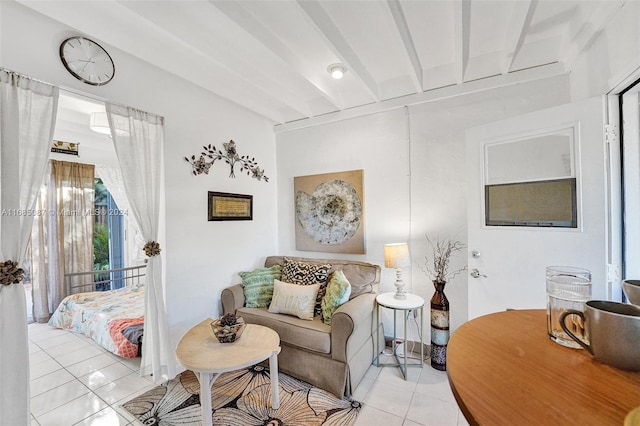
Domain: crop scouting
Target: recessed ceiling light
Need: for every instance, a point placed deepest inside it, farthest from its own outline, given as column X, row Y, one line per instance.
column 337, row 70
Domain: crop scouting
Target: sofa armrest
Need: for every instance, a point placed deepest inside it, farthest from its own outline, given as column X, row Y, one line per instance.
column 232, row 299
column 351, row 326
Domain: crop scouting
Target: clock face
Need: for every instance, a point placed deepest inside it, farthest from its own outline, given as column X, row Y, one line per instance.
column 87, row 61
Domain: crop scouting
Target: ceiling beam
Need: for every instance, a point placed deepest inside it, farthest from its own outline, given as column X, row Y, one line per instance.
column 578, row 41
column 231, row 62
column 448, row 92
column 403, row 30
column 517, row 26
column 250, row 24
column 461, row 23
column 327, row 28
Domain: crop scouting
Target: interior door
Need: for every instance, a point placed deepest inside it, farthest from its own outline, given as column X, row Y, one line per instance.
column 508, row 247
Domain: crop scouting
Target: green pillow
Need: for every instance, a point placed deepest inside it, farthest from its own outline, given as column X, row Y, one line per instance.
column 338, row 292
column 258, row 285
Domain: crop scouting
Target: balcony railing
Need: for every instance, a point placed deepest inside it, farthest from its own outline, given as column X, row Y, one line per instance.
column 108, row 279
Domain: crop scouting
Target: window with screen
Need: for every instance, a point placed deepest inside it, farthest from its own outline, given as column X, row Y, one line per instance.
column 531, row 181
column 541, row 204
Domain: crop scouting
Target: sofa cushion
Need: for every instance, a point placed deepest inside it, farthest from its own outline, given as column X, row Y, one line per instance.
column 338, row 291
column 294, row 299
column 306, row 273
column 364, row 277
column 310, row 335
column 298, row 272
column 258, row 285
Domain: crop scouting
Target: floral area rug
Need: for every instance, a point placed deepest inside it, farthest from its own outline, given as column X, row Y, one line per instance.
column 242, row 398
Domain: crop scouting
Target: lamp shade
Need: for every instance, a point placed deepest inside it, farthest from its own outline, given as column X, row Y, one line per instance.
column 396, row 255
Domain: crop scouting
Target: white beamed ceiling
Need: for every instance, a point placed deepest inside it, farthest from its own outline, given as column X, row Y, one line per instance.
column 272, row 56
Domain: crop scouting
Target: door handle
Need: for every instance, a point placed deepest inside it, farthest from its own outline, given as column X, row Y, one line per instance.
column 476, row 274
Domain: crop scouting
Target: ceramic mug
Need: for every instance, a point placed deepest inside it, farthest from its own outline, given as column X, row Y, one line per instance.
column 632, row 291
column 613, row 331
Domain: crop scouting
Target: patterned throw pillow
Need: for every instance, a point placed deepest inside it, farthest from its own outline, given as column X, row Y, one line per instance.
column 338, row 292
column 306, row 273
column 294, row 299
column 258, row 285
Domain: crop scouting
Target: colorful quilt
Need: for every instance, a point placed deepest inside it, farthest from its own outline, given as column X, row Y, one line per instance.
column 103, row 315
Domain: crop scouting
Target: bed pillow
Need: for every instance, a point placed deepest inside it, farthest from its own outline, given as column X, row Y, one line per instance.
column 306, row 273
column 258, row 285
column 294, row 299
column 338, row 292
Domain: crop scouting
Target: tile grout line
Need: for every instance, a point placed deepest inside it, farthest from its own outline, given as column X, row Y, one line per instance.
column 75, row 378
column 126, row 418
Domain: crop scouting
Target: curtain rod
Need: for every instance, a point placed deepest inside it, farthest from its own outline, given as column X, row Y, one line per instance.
column 61, row 88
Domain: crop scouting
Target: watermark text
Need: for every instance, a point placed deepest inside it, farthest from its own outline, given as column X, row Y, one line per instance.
column 63, row 212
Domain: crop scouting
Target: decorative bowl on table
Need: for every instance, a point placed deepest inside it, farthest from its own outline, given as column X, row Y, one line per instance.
column 228, row 328
column 632, row 291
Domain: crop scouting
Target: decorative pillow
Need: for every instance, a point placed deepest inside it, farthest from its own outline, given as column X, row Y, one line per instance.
column 294, row 299
column 258, row 285
column 338, row 292
column 305, row 273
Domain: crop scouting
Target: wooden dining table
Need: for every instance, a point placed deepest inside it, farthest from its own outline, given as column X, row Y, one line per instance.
column 504, row 370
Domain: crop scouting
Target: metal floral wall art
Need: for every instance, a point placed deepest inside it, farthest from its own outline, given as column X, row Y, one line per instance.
column 230, row 156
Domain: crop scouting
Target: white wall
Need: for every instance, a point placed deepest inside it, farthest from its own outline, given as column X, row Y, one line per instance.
column 611, row 58
column 201, row 257
column 405, row 199
column 376, row 143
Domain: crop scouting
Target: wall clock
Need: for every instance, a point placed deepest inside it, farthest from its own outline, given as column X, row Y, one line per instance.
column 87, row 61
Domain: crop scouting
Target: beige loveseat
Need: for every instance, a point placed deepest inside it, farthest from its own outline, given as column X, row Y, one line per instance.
column 335, row 357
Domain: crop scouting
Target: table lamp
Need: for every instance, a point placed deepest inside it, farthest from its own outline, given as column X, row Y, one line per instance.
column 397, row 256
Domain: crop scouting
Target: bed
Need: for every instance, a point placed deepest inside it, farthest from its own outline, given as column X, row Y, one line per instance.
column 113, row 319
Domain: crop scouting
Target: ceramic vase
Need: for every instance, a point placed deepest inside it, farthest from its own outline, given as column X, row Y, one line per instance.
column 439, row 327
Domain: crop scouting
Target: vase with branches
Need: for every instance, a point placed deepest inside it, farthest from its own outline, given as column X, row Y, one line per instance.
column 436, row 264
column 436, row 267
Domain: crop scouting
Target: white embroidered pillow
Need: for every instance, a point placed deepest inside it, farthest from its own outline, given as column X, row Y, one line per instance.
column 294, row 299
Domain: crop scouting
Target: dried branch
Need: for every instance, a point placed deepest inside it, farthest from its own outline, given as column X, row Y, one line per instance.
column 437, row 268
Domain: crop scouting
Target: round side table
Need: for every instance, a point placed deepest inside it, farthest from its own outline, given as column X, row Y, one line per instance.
column 411, row 303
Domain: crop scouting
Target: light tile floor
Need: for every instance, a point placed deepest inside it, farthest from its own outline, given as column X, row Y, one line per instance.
column 75, row 382
column 425, row 398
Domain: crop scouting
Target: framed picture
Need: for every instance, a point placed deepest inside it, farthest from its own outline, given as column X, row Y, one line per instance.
column 62, row 147
column 329, row 212
column 223, row 206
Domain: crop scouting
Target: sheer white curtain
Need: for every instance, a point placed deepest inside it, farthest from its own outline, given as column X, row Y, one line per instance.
column 112, row 178
column 27, row 119
column 138, row 138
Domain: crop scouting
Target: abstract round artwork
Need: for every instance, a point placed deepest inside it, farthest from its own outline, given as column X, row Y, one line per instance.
column 332, row 214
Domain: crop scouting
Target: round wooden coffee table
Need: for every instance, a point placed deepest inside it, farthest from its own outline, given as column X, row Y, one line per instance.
column 200, row 352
